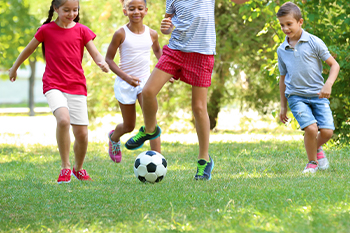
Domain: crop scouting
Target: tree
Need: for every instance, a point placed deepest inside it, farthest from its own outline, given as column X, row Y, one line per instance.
column 329, row 20
column 16, row 31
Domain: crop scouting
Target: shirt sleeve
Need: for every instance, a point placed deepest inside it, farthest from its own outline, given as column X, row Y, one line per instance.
column 170, row 7
column 88, row 35
column 281, row 65
column 39, row 35
column 322, row 50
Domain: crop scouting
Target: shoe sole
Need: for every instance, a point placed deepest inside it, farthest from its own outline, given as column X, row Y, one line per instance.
column 63, row 182
column 211, row 169
column 135, row 148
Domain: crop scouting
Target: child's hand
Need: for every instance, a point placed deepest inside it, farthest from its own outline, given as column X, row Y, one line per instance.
column 325, row 91
column 171, row 80
column 133, row 81
column 166, row 25
column 283, row 115
column 104, row 66
column 12, row 74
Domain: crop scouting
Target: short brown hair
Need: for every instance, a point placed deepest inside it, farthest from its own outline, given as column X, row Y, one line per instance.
column 289, row 8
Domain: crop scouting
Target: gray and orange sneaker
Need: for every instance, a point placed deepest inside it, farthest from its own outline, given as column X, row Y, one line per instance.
column 204, row 169
column 311, row 167
column 137, row 141
column 323, row 163
column 114, row 150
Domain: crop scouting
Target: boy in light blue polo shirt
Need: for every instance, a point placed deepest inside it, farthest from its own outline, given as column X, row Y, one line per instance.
column 302, row 84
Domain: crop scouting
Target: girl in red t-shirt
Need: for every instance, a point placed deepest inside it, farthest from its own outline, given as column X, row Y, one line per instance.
column 64, row 83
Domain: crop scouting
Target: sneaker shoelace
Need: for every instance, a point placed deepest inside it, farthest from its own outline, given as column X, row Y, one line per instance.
column 139, row 135
column 201, row 169
column 311, row 164
column 82, row 173
column 115, row 147
column 64, row 172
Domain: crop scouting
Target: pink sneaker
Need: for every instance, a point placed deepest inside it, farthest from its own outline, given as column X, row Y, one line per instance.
column 323, row 163
column 64, row 176
column 81, row 175
column 114, row 149
column 311, row 167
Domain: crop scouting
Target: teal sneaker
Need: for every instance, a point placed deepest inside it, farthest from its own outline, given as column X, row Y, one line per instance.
column 137, row 141
column 204, row 169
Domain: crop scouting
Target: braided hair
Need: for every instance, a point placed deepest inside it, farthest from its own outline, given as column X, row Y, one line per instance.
column 55, row 4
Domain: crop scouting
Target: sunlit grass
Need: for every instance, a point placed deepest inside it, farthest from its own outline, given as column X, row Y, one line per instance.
column 256, row 187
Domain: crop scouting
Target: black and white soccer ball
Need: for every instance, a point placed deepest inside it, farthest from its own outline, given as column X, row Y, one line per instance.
column 150, row 166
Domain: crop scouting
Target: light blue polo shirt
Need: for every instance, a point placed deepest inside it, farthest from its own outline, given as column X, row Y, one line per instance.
column 194, row 23
column 302, row 65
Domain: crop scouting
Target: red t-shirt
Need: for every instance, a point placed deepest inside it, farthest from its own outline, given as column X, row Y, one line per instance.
column 64, row 50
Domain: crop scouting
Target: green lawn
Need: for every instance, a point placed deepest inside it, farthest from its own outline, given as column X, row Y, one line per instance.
column 256, row 187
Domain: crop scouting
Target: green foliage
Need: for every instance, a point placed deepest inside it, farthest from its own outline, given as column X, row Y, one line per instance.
column 250, row 191
column 329, row 20
column 17, row 29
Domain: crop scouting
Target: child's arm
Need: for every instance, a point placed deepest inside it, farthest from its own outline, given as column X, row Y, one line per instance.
column 333, row 74
column 155, row 46
column 117, row 40
column 98, row 58
column 166, row 26
column 283, row 112
column 27, row 51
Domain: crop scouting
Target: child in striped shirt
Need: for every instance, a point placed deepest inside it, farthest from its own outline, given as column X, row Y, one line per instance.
column 189, row 57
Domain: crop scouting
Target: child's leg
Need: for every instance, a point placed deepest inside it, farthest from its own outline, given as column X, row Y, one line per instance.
column 149, row 95
column 310, row 141
column 155, row 143
column 62, row 135
column 129, row 119
column 323, row 136
column 80, row 145
column 199, row 108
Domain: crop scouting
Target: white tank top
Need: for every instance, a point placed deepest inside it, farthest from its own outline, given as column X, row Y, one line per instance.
column 135, row 53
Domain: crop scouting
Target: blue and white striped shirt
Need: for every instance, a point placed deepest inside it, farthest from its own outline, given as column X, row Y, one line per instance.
column 194, row 23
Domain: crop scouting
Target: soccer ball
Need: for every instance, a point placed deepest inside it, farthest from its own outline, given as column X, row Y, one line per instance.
column 150, row 166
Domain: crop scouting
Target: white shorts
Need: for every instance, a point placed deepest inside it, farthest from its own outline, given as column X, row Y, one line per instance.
column 125, row 93
column 76, row 105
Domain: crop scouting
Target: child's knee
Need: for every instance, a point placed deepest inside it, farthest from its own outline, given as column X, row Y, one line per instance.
column 128, row 127
column 311, row 129
column 199, row 110
column 326, row 133
column 63, row 122
column 148, row 93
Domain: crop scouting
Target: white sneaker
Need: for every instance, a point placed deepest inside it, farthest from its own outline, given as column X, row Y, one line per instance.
column 323, row 163
column 311, row 167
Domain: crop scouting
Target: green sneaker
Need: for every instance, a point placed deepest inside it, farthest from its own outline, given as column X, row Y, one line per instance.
column 137, row 141
column 204, row 169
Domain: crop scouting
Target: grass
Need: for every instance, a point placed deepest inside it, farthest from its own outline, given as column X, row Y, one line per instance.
column 256, row 187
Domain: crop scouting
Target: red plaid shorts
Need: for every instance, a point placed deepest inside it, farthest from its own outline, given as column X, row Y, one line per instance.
column 192, row 68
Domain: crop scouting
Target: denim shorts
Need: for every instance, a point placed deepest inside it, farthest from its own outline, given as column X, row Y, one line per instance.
column 309, row 110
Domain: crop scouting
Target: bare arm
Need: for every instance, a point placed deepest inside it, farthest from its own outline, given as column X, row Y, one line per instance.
column 283, row 112
column 27, row 51
column 155, row 46
column 96, row 55
column 166, row 26
column 333, row 74
column 117, row 40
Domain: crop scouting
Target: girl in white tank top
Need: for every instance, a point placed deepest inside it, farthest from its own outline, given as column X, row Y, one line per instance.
column 134, row 41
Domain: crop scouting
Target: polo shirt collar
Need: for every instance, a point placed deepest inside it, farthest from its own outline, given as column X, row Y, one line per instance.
column 305, row 36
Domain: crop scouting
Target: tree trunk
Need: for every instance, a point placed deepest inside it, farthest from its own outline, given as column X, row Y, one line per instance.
column 32, row 63
column 214, row 104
